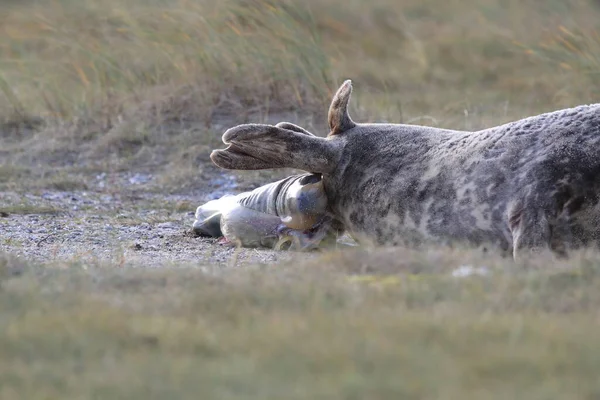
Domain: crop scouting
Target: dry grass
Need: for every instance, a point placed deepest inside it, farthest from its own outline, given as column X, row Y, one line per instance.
column 176, row 59
column 153, row 84
column 89, row 87
column 186, row 59
column 302, row 331
column 26, row 209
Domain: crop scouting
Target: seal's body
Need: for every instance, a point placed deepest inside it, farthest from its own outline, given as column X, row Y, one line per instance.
column 292, row 209
column 517, row 185
column 529, row 184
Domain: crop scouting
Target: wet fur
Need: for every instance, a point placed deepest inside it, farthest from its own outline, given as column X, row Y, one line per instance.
column 293, row 207
column 525, row 186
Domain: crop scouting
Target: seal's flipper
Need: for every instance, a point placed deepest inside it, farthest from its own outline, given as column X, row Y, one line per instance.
column 259, row 146
column 291, row 127
column 339, row 119
column 231, row 159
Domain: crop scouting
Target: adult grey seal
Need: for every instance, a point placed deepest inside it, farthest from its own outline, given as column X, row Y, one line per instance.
column 291, row 210
column 522, row 186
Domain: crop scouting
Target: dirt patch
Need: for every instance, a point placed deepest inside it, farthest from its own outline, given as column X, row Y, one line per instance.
column 71, row 200
column 141, row 229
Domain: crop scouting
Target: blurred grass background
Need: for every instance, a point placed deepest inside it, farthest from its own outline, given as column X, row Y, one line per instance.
column 187, row 59
column 153, row 84
column 96, row 85
column 359, row 324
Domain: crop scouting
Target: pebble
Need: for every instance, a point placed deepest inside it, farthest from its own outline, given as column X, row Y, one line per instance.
column 167, row 225
column 467, row 270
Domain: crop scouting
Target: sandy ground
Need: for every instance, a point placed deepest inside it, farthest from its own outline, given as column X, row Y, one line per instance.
column 123, row 216
column 126, row 227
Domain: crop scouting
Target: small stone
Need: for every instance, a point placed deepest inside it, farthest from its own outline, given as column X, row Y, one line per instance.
column 468, row 270
column 167, row 225
column 139, row 179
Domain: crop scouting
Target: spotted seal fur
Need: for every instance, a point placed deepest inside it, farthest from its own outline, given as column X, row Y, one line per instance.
column 524, row 186
column 291, row 210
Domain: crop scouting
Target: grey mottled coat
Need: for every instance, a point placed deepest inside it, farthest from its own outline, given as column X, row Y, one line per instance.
column 526, row 185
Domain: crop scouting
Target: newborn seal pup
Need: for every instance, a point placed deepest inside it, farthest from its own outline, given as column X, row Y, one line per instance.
column 523, row 186
column 291, row 210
